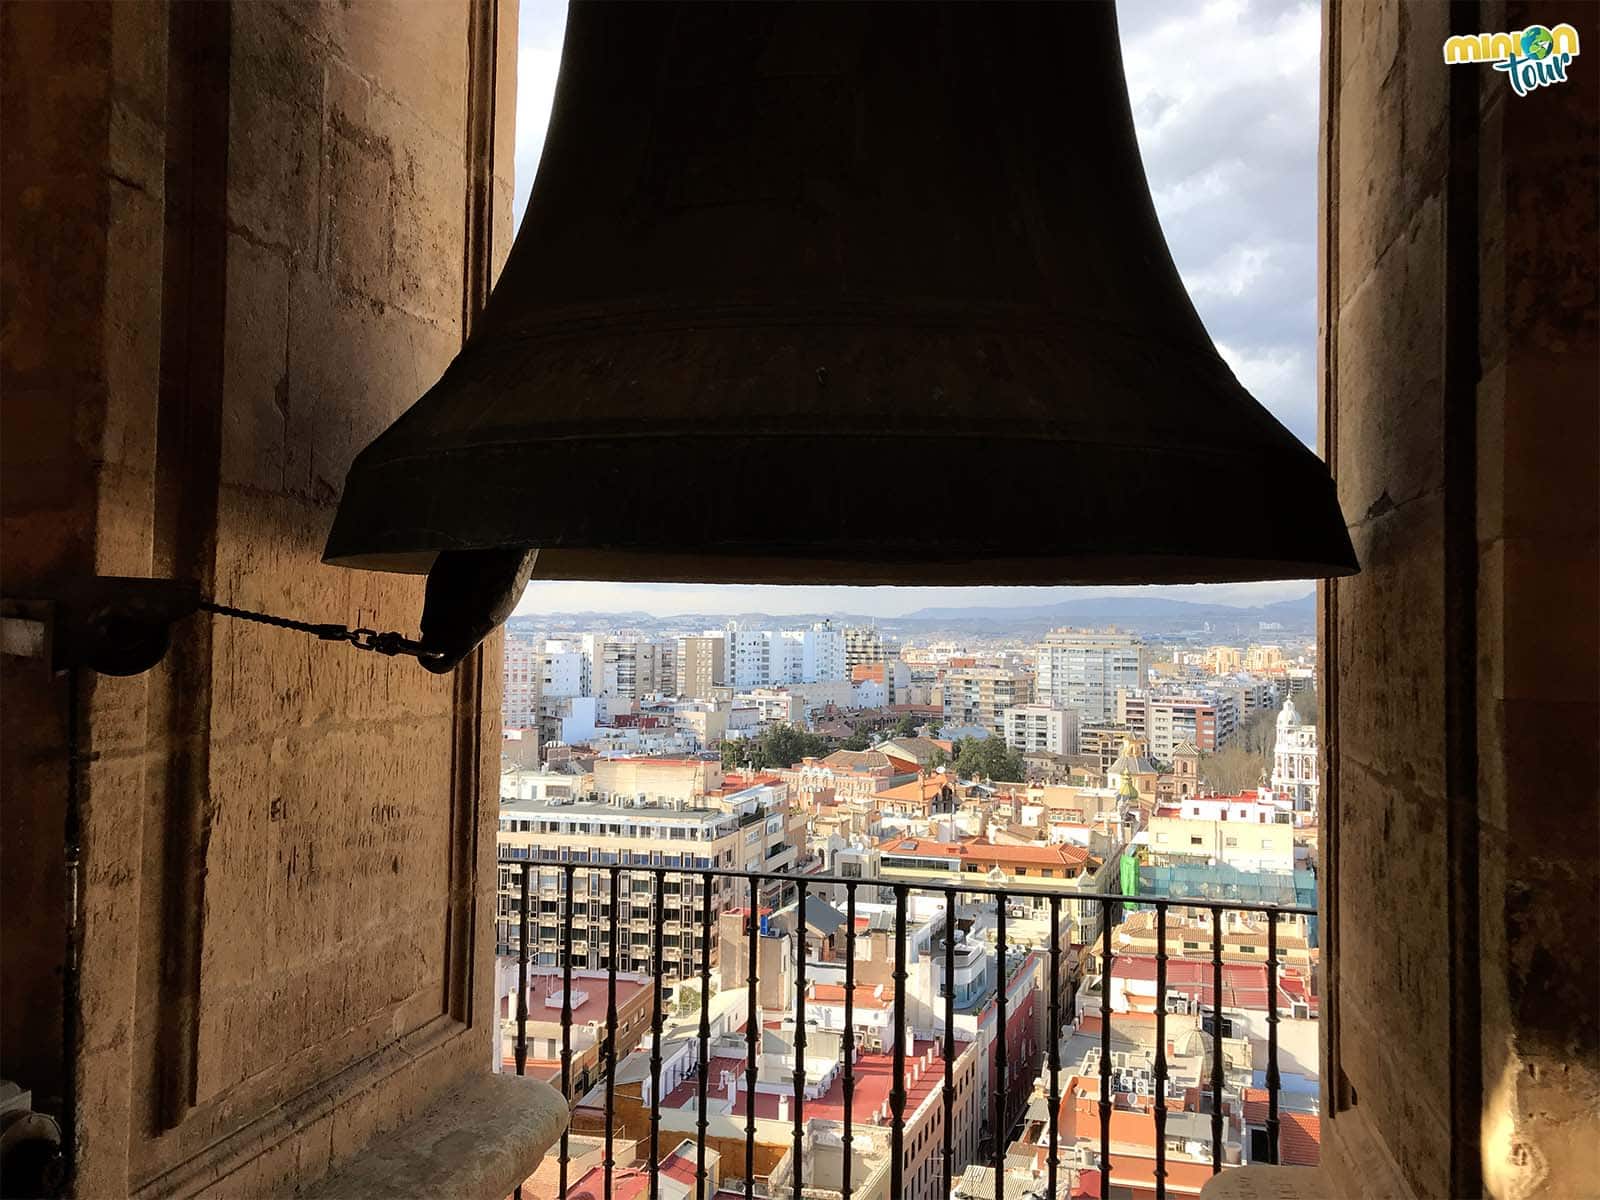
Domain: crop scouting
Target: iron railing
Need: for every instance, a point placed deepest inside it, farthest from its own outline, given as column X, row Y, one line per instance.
column 955, row 895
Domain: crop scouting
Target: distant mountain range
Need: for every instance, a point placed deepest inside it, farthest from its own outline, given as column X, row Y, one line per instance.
column 1127, row 608
column 1143, row 614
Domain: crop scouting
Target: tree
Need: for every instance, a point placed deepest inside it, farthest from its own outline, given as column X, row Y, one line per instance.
column 1259, row 733
column 1232, row 769
column 859, row 740
column 990, row 758
column 779, row 746
column 906, row 726
column 1306, row 705
column 938, row 758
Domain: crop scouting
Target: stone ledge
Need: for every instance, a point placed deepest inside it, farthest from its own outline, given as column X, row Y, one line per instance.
column 480, row 1139
column 1270, row 1183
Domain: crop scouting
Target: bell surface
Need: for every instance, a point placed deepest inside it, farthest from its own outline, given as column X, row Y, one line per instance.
column 842, row 293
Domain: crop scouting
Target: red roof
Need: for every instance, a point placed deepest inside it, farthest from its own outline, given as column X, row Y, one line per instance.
column 981, row 850
column 1299, row 1139
column 1255, row 1106
column 873, row 1075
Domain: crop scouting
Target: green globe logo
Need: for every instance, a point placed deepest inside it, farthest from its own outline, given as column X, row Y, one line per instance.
column 1537, row 42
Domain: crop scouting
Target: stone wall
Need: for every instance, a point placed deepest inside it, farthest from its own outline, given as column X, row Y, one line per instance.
column 239, row 240
column 1460, row 352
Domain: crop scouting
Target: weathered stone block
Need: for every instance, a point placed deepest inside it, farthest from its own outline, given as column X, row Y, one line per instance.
column 1391, row 698
column 255, row 368
column 275, row 131
column 1390, row 345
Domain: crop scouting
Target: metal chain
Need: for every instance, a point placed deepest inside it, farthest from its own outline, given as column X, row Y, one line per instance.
column 389, row 644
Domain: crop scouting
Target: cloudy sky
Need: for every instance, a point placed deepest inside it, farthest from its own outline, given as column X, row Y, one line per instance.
column 1225, row 100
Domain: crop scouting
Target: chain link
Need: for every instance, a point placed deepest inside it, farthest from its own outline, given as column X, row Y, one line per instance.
column 389, row 644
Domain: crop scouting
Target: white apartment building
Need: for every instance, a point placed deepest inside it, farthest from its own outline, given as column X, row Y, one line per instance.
column 1082, row 670
column 1295, row 769
column 772, row 705
column 759, row 658
column 1264, row 844
column 1041, row 727
column 564, row 670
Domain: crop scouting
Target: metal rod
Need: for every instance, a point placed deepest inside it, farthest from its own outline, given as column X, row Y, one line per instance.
column 1105, row 1046
column 949, row 1042
column 705, row 1033
column 521, row 1050
column 522, row 976
column 566, row 1023
column 1161, row 1051
column 999, row 1106
column 752, row 1038
column 799, row 1036
column 897, row 1089
column 1052, row 1162
column 1216, row 1042
column 609, row 1049
column 965, row 889
column 655, row 1044
column 848, row 1140
column 1273, row 1082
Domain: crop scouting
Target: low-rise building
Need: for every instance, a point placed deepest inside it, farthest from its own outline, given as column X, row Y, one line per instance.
column 1033, row 728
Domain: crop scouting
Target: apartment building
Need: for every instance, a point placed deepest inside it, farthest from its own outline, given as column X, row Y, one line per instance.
column 1262, row 842
column 862, row 645
column 594, row 836
column 1253, row 695
column 1082, row 670
column 521, row 683
column 700, row 665
column 1133, row 712
column 1036, row 727
column 1224, row 660
column 758, row 658
column 1103, row 742
column 981, row 695
column 1207, row 722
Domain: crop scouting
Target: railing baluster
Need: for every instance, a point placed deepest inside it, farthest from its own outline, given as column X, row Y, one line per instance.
column 949, row 1040
column 1216, row 1040
column 899, row 1094
column 522, row 992
column 705, row 1034
column 752, row 1040
column 566, row 1025
column 849, row 1034
column 1052, row 1162
column 655, row 1042
column 1001, row 1128
column 799, row 1036
column 609, row 1048
column 1272, row 1038
column 897, row 1087
column 1105, row 1047
column 1161, row 1050
column 522, row 977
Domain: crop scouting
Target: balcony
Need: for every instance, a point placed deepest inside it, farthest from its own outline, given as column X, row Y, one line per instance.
column 760, row 1094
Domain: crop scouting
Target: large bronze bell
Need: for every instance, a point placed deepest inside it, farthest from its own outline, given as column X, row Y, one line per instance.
column 841, row 293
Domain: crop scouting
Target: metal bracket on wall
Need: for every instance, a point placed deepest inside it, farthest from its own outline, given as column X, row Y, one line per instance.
column 118, row 625
column 111, row 624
